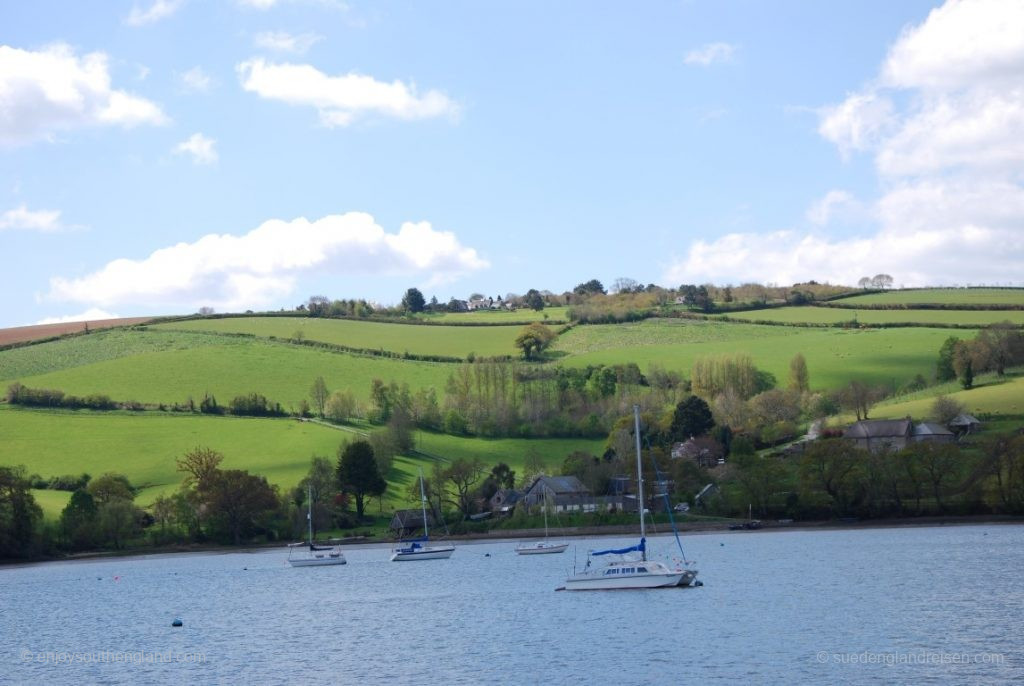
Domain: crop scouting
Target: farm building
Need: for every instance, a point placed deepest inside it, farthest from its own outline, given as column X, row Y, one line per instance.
column 406, row 522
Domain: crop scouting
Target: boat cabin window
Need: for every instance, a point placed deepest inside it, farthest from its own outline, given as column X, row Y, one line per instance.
column 642, row 570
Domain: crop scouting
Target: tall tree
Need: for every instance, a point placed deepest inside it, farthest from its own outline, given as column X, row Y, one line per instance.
column 533, row 339
column 413, row 300
column 19, row 513
column 691, row 418
column 199, row 464
column 534, row 300
column 830, row 466
column 463, row 473
column 799, row 380
column 944, row 367
column 238, row 501
column 357, row 473
column 591, row 287
column 319, row 395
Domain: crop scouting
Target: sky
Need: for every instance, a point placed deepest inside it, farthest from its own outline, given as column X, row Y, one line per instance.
column 158, row 156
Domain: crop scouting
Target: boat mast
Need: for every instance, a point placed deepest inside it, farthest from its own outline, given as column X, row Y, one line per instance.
column 309, row 511
column 639, row 477
column 423, row 505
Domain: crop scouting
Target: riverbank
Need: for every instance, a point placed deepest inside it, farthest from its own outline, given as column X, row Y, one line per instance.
column 497, row 535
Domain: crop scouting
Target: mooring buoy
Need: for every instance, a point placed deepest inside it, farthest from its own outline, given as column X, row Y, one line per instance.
column 177, row 622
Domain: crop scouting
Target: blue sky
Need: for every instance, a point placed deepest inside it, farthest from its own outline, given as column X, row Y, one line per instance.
column 159, row 156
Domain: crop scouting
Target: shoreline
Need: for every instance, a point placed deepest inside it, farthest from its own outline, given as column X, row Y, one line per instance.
column 608, row 531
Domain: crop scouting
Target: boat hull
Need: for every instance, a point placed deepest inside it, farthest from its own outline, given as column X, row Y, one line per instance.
column 317, row 561
column 542, row 548
column 429, row 553
column 595, row 582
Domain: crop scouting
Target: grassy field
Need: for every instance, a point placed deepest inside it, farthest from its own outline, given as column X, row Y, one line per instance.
column 833, row 315
column 144, row 447
column 834, row 356
column 418, row 339
column 992, row 395
column 283, row 373
column 955, row 296
column 522, row 316
column 100, row 346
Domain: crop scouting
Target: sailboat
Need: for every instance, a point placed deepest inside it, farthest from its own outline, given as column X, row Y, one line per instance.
column 545, row 546
column 415, row 550
column 315, row 556
column 633, row 569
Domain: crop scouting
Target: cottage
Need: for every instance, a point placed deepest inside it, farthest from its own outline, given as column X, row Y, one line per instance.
column 964, row 424
column 705, row 451
column 933, row 433
column 564, row 493
column 881, row 434
column 504, row 500
column 407, row 522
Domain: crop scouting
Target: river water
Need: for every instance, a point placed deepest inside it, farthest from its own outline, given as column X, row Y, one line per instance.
column 904, row 605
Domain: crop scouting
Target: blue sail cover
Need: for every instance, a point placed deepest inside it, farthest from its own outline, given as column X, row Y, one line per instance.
column 639, row 548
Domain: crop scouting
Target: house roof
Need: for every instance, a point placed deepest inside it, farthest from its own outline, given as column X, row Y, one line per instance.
column 964, row 420
column 931, row 429
column 879, row 428
column 409, row 519
column 558, row 485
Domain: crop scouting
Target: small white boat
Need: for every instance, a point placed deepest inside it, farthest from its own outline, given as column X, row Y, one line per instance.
column 634, row 570
column 541, row 547
column 315, row 556
column 415, row 550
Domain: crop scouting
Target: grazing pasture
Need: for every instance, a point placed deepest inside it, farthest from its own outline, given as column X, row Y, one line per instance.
column 942, row 296
column 835, row 315
column 235, row 366
column 417, row 339
column 834, row 356
column 145, row 447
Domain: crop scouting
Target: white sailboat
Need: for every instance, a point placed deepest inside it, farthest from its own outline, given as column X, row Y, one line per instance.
column 631, row 571
column 415, row 550
column 541, row 547
column 315, row 556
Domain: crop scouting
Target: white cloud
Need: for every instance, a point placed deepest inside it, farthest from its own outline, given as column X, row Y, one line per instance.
column 268, row 4
column 341, row 99
column 709, row 54
column 93, row 314
column 42, row 93
column 857, row 123
column 944, row 122
column 199, row 147
column 959, row 44
column 196, row 80
column 836, row 205
column 160, row 9
column 258, row 268
column 282, row 41
column 24, row 219
column 915, row 257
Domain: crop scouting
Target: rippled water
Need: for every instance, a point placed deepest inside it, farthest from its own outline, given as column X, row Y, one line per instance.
column 790, row 607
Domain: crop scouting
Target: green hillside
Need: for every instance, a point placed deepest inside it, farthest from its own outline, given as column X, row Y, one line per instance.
column 836, row 315
column 145, row 446
column 417, row 339
column 947, row 296
column 521, row 316
column 222, row 366
column 889, row 357
column 172, row 362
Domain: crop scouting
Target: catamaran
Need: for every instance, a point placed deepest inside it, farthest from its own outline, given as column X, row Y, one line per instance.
column 545, row 546
column 415, row 550
column 315, row 556
column 633, row 570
